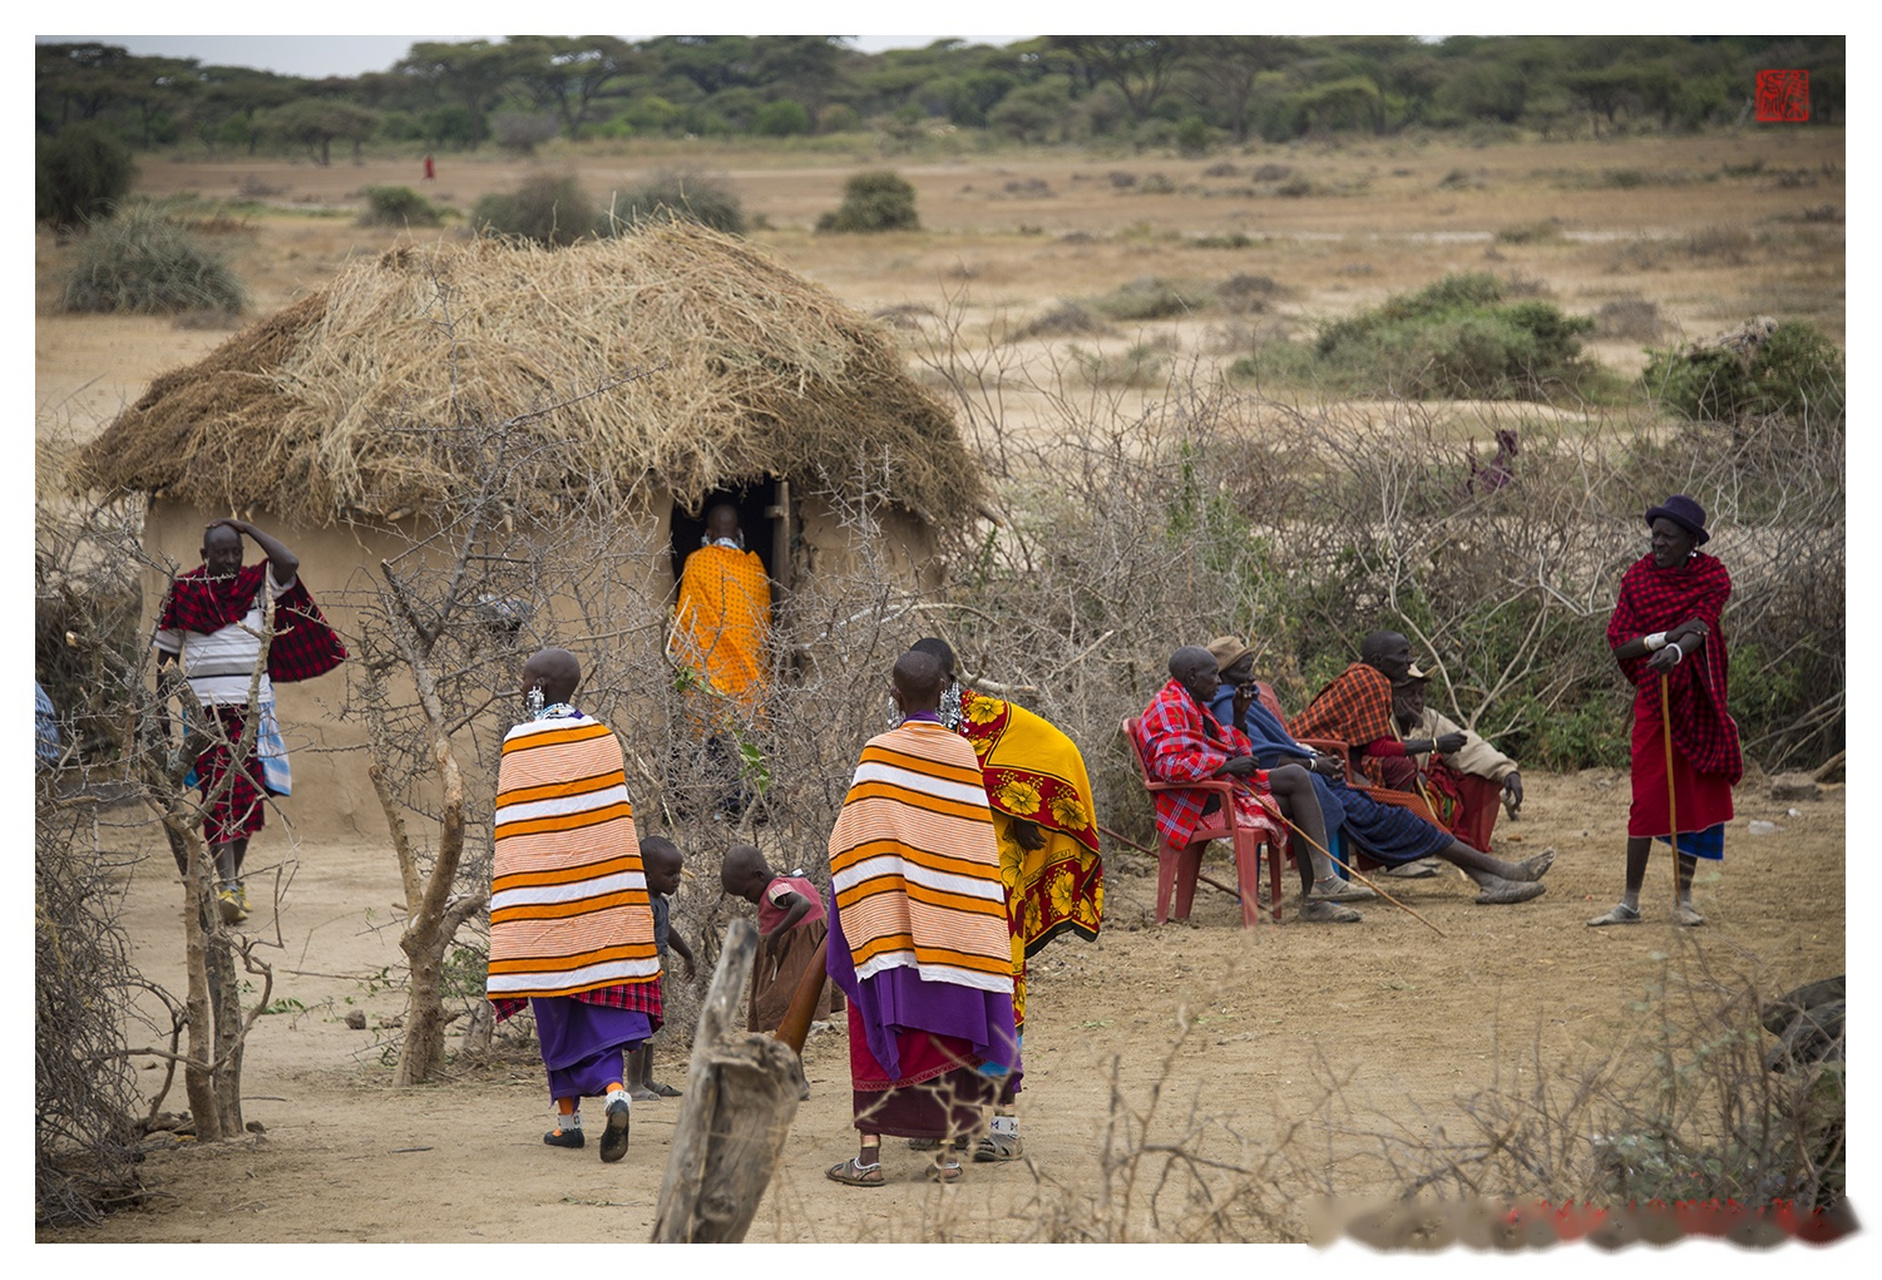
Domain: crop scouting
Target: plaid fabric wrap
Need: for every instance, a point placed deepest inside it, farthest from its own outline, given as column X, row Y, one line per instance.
column 304, row 646
column 1182, row 742
column 1354, row 708
column 237, row 812
column 1655, row 599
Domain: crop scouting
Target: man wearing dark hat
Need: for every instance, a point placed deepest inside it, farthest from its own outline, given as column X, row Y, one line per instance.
column 1463, row 776
column 1665, row 634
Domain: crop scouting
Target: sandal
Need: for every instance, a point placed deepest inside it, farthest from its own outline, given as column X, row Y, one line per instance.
column 665, row 1091
column 996, row 1148
column 1334, row 889
column 946, row 1172
column 1621, row 914
column 852, row 1174
column 1498, row 892
column 1688, row 915
column 1319, row 911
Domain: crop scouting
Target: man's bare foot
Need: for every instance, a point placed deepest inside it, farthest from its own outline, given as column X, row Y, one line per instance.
column 641, row 1093
column 1497, row 892
column 1688, row 915
column 1320, row 911
column 1532, row 868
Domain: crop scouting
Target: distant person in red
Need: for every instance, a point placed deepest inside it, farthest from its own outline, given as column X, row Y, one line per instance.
column 431, row 170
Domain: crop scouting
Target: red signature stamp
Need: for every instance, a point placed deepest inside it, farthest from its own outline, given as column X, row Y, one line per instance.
column 1783, row 96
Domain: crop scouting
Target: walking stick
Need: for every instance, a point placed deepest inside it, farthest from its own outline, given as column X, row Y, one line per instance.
column 1672, row 811
column 1351, row 871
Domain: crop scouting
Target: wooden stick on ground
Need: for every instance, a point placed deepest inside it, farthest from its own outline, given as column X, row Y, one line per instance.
column 741, row 1095
column 1213, row 884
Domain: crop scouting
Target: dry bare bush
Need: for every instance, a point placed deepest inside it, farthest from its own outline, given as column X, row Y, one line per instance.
column 84, row 1140
column 1682, row 1109
column 1137, row 523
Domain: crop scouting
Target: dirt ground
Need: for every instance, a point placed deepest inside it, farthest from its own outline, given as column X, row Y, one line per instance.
column 1407, row 1021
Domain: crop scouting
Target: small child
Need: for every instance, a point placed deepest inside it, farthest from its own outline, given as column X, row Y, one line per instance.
column 660, row 860
column 791, row 923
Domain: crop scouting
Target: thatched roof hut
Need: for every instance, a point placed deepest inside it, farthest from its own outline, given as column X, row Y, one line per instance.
column 660, row 371
column 743, row 370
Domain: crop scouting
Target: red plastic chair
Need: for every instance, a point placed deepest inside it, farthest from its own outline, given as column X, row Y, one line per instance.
column 1178, row 868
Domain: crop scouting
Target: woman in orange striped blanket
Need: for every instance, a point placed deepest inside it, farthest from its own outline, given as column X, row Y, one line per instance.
column 571, row 929
column 918, row 936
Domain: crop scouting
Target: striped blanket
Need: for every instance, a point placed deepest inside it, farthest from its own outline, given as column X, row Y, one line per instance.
column 569, row 914
column 914, row 868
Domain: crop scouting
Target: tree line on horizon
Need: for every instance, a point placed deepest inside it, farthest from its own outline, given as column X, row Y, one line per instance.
column 1191, row 93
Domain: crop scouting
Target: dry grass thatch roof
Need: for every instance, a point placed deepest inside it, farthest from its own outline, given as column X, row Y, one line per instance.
column 333, row 406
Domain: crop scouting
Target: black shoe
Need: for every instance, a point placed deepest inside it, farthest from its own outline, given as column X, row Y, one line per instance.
column 570, row 1138
column 614, row 1137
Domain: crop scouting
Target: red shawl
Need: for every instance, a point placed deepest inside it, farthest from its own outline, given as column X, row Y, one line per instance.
column 1654, row 599
column 304, row 646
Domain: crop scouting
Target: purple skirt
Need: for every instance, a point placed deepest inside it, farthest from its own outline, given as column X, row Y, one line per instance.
column 582, row 1044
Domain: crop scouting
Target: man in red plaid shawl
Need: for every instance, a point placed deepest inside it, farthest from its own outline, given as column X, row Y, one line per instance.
column 1665, row 634
column 1180, row 741
column 212, row 625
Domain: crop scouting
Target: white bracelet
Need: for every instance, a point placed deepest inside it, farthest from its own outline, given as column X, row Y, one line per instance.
column 1655, row 641
column 1678, row 654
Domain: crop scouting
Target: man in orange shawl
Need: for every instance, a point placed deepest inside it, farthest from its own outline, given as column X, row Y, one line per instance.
column 721, row 626
column 918, row 938
column 722, row 619
column 571, row 928
column 1047, row 829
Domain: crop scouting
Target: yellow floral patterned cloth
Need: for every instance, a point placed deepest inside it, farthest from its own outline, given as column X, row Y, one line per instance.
column 1033, row 771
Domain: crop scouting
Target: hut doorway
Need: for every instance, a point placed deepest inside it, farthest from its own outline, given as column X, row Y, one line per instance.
column 764, row 516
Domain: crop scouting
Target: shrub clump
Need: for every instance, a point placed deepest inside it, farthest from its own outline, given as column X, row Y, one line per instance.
column 1760, row 368
column 1151, row 298
column 80, row 175
column 551, row 211
column 399, row 207
column 880, row 201
column 1460, row 338
column 684, row 194
column 142, row 263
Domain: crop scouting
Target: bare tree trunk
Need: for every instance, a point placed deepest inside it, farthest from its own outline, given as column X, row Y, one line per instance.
column 435, row 918
column 198, row 1083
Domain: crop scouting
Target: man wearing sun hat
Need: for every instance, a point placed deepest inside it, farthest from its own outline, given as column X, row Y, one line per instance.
column 1464, row 776
column 1665, row 634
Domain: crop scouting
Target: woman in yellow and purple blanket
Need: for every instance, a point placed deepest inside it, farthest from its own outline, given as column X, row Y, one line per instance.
column 1048, row 837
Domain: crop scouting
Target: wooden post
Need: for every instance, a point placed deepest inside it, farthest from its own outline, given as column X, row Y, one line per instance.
column 795, row 1028
column 741, row 1096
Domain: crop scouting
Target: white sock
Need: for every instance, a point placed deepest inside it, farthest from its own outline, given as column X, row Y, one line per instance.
column 573, row 1120
column 1007, row 1126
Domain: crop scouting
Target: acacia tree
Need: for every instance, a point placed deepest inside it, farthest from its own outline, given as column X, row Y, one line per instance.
column 565, row 74
column 87, row 559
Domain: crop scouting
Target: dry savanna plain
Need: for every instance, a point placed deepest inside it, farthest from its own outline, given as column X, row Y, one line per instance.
column 1278, row 1061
